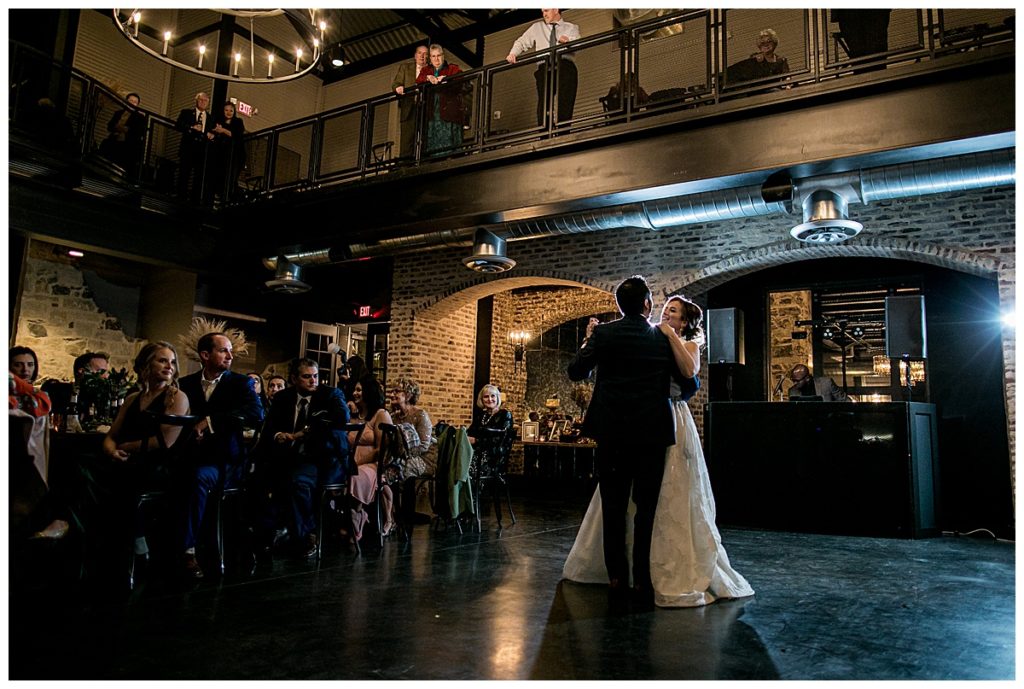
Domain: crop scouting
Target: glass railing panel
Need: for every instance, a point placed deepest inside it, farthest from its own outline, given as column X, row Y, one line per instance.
column 253, row 178
column 513, row 106
column 963, row 29
column 598, row 70
column 672, row 62
column 291, row 156
column 339, row 148
column 384, row 134
column 745, row 52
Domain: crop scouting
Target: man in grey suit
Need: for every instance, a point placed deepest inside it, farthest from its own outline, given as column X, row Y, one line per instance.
column 405, row 78
column 806, row 385
column 630, row 416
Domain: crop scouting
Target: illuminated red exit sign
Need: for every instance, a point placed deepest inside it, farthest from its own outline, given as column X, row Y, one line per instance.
column 364, row 312
column 244, row 109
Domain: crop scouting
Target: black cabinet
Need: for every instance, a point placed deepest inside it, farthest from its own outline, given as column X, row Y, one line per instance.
column 825, row 467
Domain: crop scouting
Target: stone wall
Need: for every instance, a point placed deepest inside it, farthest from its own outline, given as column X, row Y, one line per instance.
column 785, row 309
column 968, row 231
column 60, row 320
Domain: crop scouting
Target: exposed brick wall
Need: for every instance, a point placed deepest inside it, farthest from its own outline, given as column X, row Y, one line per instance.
column 967, row 231
column 59, row 320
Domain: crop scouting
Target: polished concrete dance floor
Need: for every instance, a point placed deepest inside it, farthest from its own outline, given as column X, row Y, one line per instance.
column 469, row 607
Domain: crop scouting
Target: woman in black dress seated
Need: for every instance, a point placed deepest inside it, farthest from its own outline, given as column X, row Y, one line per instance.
column 489, row 435
column 137, row 440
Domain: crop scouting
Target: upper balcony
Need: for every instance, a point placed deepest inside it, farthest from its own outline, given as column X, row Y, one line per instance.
column 663, row 108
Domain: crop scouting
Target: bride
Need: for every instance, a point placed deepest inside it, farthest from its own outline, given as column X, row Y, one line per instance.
column 689, row 566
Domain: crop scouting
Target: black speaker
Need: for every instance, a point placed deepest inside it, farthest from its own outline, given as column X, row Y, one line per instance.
column 725, row 336
column 904, row 327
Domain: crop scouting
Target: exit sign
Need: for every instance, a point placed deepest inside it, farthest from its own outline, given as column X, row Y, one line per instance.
column 364, row 312
column 244, row 109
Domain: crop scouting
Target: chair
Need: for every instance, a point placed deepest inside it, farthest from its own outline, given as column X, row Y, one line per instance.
column 329, row 491
column 382, row 155
column 146, row 497
column 479, row 482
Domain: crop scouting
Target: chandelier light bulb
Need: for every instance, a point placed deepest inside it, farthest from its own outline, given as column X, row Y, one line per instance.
column 298, row 57
column 270, row 65
column 202, row 52
column 167, row 39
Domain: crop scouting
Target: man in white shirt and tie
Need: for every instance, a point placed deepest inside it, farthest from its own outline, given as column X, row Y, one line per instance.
column 195, row 125
column 547, row 33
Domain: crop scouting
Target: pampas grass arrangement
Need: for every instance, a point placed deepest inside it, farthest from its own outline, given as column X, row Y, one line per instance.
column 201, row 326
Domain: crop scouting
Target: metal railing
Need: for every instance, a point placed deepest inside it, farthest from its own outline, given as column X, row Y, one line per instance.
column 679, row 63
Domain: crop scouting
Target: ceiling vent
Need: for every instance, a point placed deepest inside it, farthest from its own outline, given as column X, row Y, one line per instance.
column 286, row 278
column 825, row 219
column 488, row 254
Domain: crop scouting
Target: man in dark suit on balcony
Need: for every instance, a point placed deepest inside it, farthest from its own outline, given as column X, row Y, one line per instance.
column 405, row 78
column 226, row 403
column 630, row 417
column 195, row 125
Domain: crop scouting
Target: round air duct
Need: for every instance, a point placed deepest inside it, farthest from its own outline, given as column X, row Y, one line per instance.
column 825, row 219
column 286, row 278
column 488, row 254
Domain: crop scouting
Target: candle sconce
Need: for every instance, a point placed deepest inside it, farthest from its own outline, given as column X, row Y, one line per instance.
column 518, row 340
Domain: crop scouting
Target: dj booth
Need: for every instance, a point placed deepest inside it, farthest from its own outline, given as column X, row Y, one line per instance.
column 864, row 469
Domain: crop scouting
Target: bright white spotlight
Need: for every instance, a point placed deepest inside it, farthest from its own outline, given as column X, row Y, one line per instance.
column 1010, row 319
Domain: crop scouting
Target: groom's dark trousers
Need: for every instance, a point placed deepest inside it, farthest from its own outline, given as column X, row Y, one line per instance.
column 621, row 467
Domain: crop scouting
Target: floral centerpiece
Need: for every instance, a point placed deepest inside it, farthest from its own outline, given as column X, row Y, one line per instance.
column 99, row 396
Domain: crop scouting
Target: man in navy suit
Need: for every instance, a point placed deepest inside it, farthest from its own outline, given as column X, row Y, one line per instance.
column 630, row 417
column 196, row 126
column 227, row 403
column 310, row 447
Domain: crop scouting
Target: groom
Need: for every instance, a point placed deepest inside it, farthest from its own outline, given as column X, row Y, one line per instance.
column 630, row 417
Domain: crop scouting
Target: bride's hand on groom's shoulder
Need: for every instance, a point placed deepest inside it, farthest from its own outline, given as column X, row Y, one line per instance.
column 667, row 329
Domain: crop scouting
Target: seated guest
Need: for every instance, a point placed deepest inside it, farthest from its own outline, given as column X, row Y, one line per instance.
column 137, row 439
column 309, row 447
column 404, row 396
column 806, row 385
column 227, row 404
column 24, row 367
column 764, row 63
column 368, row 397
column 423, row 458
column 356, row 370
column 275, row 384
column 488, row 434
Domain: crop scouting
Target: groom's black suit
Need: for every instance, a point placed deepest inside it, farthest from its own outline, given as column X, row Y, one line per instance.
column 630, row 417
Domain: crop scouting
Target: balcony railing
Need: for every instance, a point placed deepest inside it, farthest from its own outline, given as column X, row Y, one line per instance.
column 679, row 64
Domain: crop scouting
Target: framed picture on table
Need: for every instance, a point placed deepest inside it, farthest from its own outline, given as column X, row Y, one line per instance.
column 556, row 432
column 531, row 431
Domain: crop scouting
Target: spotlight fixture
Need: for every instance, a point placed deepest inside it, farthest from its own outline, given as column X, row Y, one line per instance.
column 75, row 253
column 828, row 333
column 857, row 331
column 336, row 54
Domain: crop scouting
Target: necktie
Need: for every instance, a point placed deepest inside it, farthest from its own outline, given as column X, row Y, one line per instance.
column 208, row 386
column 300, row 419
column 552, row 40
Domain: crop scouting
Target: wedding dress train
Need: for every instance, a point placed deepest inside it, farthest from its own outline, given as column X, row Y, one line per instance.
column 689, row 565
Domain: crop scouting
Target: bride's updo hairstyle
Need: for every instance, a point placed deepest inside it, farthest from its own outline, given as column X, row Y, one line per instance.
column 694, row 316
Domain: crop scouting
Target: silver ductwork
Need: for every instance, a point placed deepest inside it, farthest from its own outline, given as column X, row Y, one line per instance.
column 824, row 201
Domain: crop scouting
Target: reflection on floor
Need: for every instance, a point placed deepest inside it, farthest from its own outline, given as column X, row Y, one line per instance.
column 490, row 606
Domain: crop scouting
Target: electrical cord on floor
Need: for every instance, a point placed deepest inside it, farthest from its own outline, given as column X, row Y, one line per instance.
column 974, row 531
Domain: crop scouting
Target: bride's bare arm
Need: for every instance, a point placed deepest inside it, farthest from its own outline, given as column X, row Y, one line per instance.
column 686, row 353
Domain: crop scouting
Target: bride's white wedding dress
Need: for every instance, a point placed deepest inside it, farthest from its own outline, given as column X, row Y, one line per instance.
column 689, row 566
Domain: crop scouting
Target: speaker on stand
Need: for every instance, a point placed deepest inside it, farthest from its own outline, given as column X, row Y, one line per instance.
column 905, row 332
column 725, row 341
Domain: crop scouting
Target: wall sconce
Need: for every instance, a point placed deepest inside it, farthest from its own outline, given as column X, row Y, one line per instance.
column 518, row 340
column 916, row 372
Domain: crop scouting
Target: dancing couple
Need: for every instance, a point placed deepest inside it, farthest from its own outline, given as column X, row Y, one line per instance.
column 649, row 460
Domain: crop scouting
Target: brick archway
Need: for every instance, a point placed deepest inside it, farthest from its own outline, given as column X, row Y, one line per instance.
column 720, row 272
column 457, row 296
